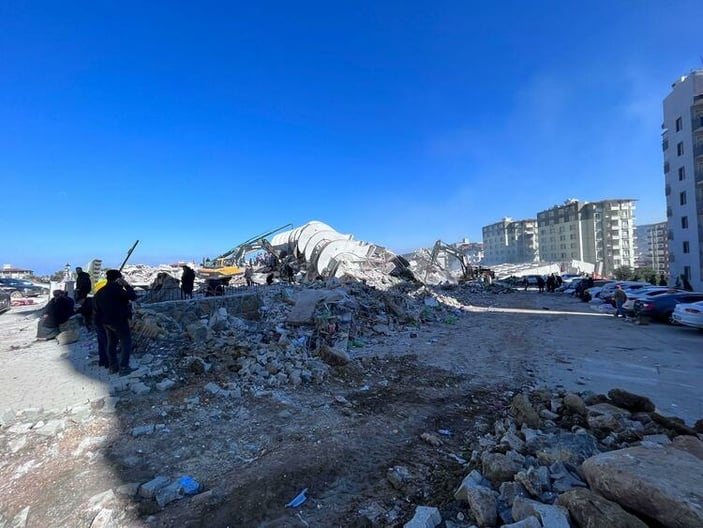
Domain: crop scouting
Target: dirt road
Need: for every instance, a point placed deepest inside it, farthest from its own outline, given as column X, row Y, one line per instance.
column 253, row 454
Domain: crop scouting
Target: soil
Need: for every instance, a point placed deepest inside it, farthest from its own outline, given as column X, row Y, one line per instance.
column 419, row 399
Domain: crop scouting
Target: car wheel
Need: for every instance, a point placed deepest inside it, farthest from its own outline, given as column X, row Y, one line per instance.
column 16, row 295
column 670, row 318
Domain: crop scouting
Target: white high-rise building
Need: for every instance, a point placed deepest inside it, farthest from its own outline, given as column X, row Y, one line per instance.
column 601, row 233
column 510, row 241
column 682, row 142
column 652, row 248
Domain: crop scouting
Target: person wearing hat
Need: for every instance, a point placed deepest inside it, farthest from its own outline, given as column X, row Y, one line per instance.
column 112, row 311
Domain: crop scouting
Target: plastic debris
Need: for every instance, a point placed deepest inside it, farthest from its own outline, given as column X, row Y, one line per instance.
column 298, row 500
column 445, row 432
column 189, row 485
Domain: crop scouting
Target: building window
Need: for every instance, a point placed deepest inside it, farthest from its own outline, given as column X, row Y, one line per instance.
column 666, row 167
column 687, row 272
column 686, row 247
column 682, row 173
column 679, row 124
column 679, row 149
column 665, row 145
column 682, row 198
column 684, row 222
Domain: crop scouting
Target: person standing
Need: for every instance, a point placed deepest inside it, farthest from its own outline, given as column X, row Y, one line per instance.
column 249, row 275
column 620, row 298
column 187, row 281
column 83, row 284
column 113, row 311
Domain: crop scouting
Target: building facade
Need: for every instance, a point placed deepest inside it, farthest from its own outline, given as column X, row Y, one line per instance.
column 682, row 143
column 600, row 232
column 652, row 247
column 510, row 241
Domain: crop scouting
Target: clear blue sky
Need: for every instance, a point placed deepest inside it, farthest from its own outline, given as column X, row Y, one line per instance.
column 194, row 126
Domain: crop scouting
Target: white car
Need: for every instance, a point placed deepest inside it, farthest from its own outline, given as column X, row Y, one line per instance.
column 689, row 314
column 646, row 293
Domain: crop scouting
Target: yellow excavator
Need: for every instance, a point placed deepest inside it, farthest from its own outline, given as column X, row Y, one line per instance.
column 232, row 262
column 468, row 272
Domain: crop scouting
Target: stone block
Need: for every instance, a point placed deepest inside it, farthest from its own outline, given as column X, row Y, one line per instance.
column 590, row 510
column 549, row 516
column 665, row 483
column 148, row 489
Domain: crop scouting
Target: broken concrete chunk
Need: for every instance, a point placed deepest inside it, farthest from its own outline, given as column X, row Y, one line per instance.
column 575, row 405
column 148, row 489
column 484, row 505
column 398, row 476
column 549, row 516
column 425, row 517
column 498, row 467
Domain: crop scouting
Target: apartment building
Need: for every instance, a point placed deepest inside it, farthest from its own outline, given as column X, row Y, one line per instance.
column 510, row 241
column 472, row 250
column 652, row 247
column 682, row 143
column 598, row 232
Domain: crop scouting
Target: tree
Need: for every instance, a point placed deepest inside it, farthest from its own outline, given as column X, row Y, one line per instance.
column 623, row 273
column 646, row 273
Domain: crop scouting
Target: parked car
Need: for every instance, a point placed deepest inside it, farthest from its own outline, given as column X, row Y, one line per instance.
column 662, row 307
column 21, row 287
column 689, row 314
column 646, row 293
column 5, row 301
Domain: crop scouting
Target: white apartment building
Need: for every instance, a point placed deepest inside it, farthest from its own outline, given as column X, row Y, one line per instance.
column 510, row 241
column 600, row 232
column 682, row 142
column 652, row 247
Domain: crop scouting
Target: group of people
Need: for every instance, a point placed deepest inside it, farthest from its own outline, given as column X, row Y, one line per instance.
column 108, row 312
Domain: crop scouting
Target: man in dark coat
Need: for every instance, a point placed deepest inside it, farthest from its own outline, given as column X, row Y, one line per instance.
column 187, row 281
column 58, row 310
column 83, row 284
column 112, row 310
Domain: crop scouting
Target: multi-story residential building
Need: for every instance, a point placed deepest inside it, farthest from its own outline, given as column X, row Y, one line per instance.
column 472, row 250
column 682, row 142
column 510, row 241
column 652, row 247
column 598, row 232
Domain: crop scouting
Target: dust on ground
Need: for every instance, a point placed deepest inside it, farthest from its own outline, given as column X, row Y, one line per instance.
column 450, row 378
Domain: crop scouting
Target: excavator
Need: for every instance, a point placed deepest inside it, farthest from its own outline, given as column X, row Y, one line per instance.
column 468, row 272
column 231, row 262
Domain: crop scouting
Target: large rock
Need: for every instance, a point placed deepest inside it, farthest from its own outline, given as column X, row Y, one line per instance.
column 665, row 483
column 425, row 517
column 523, row 411
column 574, row 404
column 498, row 468
column 563, row 447
column 631, row 402
column 690, row 444
column 590, row 510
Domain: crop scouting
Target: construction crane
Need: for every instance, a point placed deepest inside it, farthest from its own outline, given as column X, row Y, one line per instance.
column 230, row 263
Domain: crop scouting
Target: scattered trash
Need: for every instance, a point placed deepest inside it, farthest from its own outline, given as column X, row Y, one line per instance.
column 298, row 500
column 445, row 432
column 189, row 485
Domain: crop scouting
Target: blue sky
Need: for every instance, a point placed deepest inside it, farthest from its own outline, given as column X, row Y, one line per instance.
column 194, row 126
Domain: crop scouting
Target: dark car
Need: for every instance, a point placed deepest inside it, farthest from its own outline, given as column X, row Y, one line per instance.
column 4, row 301
column 20, row 288
column 661, row 307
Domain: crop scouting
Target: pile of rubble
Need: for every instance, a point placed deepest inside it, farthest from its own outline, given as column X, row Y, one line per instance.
column 563, row 459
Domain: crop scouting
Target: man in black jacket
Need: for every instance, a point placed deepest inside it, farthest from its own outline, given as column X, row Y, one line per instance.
column 112, row 310
column 83, row 284
column 187, row 282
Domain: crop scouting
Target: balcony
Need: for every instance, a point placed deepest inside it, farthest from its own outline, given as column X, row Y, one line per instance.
column 698, row 150
column 697, row 123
